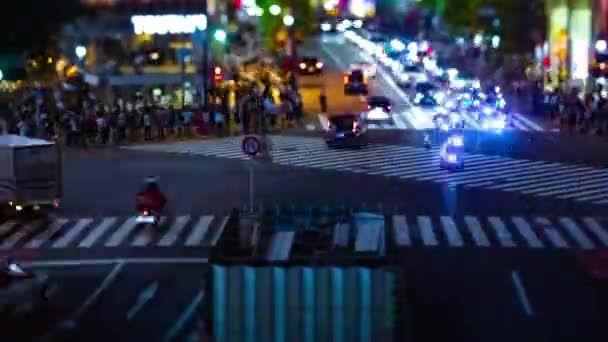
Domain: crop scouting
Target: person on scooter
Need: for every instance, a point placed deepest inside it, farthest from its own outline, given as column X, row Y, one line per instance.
column 150, row 197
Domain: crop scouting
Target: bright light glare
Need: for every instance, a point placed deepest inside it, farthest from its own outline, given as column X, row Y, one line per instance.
column 601, row 45
column 288, row 20
column 168, row 24
column 495, row 42
column 81, row 51
column 274, row 9
column 357, row 23
column 325, row 27
column 397, row 45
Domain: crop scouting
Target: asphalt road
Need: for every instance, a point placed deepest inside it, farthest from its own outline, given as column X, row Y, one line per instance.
column 119, row 301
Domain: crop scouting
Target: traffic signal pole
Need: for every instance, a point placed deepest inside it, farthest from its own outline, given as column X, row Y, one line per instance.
column 205, row 67
column 294, row 49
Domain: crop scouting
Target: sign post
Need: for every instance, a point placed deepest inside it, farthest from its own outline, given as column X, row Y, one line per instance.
column 252, row 146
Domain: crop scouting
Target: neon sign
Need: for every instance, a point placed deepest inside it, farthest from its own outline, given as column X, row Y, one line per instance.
column 168, row 24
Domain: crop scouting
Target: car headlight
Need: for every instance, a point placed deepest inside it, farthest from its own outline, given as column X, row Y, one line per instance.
column 457, row 141
column 487, row 111
column 319, row 65
column 302, row 66
column 439, row 96
column 476, row 84
column 451, row 158
column 325, row 27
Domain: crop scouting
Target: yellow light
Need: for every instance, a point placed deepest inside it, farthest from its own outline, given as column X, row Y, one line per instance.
column 49, row 60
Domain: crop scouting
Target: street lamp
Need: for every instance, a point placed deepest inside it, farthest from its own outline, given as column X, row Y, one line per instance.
column 81, row 52
column 288, row 20
column 220, row 36
column 274, row 10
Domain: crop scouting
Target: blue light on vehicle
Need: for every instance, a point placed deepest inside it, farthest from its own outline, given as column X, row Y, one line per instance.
column 488, row 111
column 451, row 158
column 456, row 141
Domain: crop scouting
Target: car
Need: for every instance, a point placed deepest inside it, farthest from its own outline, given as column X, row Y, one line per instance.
column 368, row 68
column 463, row 80
column 409, row 75
column 381, row 102
column 355, row 82
column 346, row 129
column 22, row 291
column 429, row 88
column 310, row 65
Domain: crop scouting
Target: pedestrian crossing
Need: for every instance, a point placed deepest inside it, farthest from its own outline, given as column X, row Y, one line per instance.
column 111, row 232
column 490, row 172
column 186, row 231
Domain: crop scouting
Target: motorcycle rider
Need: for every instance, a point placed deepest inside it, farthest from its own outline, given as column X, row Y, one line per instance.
column 150, row 197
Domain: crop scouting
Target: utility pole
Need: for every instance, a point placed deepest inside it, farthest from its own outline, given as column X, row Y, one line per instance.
column 294, row 48
column 205, row 68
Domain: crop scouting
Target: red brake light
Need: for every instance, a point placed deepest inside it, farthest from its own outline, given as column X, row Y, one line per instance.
column 145, row 213
column 390, row 107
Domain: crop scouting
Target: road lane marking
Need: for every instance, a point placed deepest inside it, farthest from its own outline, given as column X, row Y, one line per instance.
column 503, row 235
column 22, row 232
column 144, row 297
column 183, row 319
column 576, row 233
column 7, row 227
column 174, row 232
column 521, row 294
column 148, row 232
column 47, row 234
column 71, row 321
column 426, row 231
column 400, row 230
column 526, row 232
column 106, row 262
column 551, row 233
column 97, row 232
column 121, row 233
column 481, row 239
column 199, row 231
column 528, row 122
column 451, row 231
column 72, row 233
column 596, row 228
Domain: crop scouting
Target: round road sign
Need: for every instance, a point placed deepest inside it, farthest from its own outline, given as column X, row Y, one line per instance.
column 251, row 145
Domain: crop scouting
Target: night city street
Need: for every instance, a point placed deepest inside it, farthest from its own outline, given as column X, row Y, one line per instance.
column 278, row 170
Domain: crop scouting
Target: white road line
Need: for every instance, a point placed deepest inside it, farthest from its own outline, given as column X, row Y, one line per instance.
column 551, row 233
column 7, row 227
column 576, row 233
column 106, row 262
column 199, row 231
column 147, row 234
column 47, row 234
column 426, row 231
column 597, row 229
column 569, row 186
column 97, row 232
column 528, row 122
column 502, row 234
column 218, row 233
column 521, row 294
column 479, row 236
column 20, row 234
column 72, row 233
column 174, row 232
column 526, row 232
column 451, row 231
column 400, row 230
column 186, row 316
column 122, row 232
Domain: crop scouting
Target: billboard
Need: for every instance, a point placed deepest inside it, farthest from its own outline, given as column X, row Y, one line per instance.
column 168, row 24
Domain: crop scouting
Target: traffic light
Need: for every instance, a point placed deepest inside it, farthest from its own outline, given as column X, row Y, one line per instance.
column 218, row 75
column 219, row 35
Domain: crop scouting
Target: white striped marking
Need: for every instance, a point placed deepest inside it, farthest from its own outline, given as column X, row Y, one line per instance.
column 526, row 232
column 400, row 230
column 122, row 232
column 451, row 231
column 576, row 233
column 552, row 234
column 503, row 235
column 97, row 232
column 521, row 294
column 596, row 228
column 47, row 234
column 174, row 232
column 426, row 231
column 7, row 226
column 199, row 231
column 65, row 240
column 145, row 235
column 21, row 233
column 475, row 228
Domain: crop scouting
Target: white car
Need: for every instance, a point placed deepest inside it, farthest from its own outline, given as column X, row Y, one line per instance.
column 368, row 68
column 410, row 75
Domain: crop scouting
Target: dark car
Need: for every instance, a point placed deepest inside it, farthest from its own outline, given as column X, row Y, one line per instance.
column 426, row 88
column 355, row 82
column 381, row 102
column 310, row 65
column 346, row 130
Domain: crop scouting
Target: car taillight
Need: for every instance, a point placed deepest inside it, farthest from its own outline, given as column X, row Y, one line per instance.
column 365, row 79
column 389, row 107
column 345, row 79
column 355, row 125
column 145, row 213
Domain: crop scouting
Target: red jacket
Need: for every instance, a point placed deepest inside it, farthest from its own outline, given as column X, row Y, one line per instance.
column 151, row 199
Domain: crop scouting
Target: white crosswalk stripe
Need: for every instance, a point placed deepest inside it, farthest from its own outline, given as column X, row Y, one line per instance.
column 408, row 231
column 535, row 178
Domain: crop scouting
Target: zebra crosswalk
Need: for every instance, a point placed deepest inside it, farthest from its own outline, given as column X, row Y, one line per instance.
column 401, row 231
column 535, row 178
column 587, row 233
column 111, row 232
